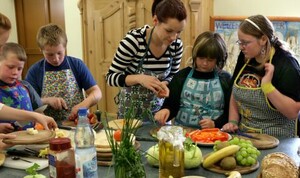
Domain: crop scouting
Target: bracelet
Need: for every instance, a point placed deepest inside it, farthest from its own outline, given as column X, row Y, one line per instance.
column 235, row 122
column 267, row 88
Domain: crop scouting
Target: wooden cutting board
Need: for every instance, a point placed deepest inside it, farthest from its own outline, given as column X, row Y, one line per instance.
column 242, row 169
column 25, row 138
column 264, row 141
column 118, row 123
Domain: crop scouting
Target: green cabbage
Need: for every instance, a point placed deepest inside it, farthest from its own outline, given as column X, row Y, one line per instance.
column 192, row 156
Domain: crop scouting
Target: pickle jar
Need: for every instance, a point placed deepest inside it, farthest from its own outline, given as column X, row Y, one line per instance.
column 171, row 151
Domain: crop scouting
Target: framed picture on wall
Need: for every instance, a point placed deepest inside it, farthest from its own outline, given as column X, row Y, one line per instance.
column 286, row 29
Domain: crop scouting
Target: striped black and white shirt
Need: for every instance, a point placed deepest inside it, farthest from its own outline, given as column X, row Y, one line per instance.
column 131, row 50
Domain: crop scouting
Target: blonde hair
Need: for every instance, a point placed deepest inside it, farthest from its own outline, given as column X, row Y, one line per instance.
column 52, row 35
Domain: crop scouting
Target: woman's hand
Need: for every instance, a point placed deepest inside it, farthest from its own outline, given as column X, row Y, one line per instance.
column 165, row 91
column 152, row 83
column 207, row 123
column 162, row 116
column 230, row 127
column 269, row 71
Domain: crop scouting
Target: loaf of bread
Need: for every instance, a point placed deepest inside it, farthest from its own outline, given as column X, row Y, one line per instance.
column 278, row 165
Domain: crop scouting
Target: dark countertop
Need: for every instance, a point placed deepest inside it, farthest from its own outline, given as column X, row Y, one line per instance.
column 287, row 145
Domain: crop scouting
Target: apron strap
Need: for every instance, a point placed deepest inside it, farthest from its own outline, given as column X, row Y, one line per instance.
column 147, row 48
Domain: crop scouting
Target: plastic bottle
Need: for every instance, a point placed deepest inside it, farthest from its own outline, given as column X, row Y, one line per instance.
column 61, row 158
column 85, row 151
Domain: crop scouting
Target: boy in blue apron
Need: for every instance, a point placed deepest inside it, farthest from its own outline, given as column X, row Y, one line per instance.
column 199, row 95
column 13, row 91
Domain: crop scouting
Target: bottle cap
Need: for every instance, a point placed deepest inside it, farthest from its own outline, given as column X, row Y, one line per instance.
column 60, row 144
column 82, row 111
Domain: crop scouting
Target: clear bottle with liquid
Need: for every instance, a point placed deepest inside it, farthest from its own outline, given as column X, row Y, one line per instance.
column 85, row 151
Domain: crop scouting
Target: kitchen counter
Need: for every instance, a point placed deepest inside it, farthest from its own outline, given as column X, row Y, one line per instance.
column 287, row 145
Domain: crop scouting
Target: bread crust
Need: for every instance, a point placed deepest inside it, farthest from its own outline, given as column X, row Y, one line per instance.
column 278, row 165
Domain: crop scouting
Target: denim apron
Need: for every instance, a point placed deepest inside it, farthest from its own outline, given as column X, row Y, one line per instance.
column 200, row 98
column 144, row 101
column 61, row 84
column 16, row 96
column 256, row 113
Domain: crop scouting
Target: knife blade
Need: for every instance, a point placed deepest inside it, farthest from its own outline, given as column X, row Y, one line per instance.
column 246, row 135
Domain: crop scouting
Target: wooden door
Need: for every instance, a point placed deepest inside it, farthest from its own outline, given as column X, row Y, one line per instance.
column 30, row 16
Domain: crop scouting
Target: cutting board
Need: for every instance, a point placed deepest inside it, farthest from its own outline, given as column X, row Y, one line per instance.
column 264, row 141
column 20, row 164
column 25, row 138
column 119, row 123
column 242, row 169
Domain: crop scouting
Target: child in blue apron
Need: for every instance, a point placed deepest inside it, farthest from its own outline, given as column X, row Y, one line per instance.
column 199, row 95
column 14, row 92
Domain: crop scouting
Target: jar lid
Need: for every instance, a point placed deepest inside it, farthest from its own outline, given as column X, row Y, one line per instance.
column 59, row 144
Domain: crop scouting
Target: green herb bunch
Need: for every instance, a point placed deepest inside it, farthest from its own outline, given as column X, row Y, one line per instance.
column 126, row 158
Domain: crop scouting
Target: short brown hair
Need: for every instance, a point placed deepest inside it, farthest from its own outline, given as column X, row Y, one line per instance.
column 210, row 45
column 5, row 22
column 165, row 9
column 52, row 35
column 14, row 48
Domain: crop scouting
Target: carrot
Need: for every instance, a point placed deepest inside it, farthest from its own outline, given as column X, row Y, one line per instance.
column 39, row 126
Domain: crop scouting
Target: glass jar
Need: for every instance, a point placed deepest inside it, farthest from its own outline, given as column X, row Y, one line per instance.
column 171, row 151
column 61, row 158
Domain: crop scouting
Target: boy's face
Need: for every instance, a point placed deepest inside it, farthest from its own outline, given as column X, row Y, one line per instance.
column 11, row 68
column 54, row 54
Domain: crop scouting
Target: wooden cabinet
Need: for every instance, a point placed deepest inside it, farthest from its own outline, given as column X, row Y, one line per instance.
column 105, row 22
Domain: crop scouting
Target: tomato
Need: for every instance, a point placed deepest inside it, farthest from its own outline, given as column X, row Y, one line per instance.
column 118, row 135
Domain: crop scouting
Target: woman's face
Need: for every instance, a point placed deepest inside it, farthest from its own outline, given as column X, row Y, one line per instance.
column 170, row 30
column 4, row 34
column 54, row 54
column 250, row 45
column 204, row 64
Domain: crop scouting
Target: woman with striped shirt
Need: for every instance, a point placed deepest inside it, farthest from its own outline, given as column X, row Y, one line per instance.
column 147, row 58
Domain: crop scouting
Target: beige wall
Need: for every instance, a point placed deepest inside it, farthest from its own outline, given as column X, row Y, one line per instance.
column 252, row 7
column 72, row 21
column 221, row 7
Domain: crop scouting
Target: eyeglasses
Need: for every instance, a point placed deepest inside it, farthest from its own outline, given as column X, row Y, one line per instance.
column 243, row 43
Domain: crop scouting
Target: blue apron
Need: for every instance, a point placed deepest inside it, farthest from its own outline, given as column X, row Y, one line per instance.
column 200, row 98
column 16, row 96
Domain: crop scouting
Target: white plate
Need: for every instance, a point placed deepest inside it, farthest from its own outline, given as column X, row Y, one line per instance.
column 212, row 144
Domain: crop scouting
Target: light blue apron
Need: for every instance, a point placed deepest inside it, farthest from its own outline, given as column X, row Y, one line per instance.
column 200, row 98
